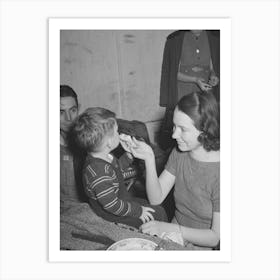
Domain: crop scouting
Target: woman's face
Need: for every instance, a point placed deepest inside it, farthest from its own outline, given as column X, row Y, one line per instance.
column 184, row 132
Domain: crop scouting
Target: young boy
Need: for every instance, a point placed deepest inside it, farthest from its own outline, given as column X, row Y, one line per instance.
column 96, row 132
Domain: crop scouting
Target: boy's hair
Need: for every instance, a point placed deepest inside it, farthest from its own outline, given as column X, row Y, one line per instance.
column 92, row 126
column 66, row 91
column 203, row 109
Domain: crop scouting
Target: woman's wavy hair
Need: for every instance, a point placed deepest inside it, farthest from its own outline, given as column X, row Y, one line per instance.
column 90, row 128
column 203, row 109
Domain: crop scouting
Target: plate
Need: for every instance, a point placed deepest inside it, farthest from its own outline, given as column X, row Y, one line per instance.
column 133, row 244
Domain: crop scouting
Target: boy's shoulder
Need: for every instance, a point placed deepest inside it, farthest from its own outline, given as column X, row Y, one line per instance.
column 97, row 166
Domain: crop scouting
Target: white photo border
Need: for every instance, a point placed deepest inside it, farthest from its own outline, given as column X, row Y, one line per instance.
column 57, row 24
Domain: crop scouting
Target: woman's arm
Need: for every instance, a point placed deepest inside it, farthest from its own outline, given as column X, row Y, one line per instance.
column 199, row 237
column 157, row 188
column 183, row 77
column 186, row 78
column 203, row 237
column 191, row 79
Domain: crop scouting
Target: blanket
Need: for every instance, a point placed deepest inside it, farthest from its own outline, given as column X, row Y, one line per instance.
column 82, row 229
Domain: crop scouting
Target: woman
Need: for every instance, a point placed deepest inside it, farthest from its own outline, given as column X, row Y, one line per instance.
column 193, row 168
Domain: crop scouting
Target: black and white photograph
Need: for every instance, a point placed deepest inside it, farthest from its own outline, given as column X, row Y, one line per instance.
column 140, row 139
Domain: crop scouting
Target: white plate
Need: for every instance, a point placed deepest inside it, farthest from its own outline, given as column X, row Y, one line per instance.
column 133, row 244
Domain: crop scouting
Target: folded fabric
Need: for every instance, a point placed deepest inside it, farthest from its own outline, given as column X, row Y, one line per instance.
column 82, row 229
column 173, row 236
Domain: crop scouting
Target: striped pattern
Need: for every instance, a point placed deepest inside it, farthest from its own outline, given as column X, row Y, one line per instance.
column 101, row 184
column 101, row 180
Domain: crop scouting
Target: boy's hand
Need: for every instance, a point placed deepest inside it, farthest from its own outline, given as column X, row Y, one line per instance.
column 146, row 216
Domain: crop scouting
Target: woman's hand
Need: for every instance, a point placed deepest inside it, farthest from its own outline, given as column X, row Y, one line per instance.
column 203, row 85
column 158, row 228
column 141, row 150
column 126, row 142
column 138, row 149
column 146, row 215
column 214, row 80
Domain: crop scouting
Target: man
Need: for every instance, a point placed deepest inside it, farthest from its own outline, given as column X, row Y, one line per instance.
column 70, row 161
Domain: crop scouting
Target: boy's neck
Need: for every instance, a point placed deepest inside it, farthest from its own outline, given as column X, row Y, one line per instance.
column 105, row 155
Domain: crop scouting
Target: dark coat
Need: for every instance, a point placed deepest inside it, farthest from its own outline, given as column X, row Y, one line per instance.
column 170, row 64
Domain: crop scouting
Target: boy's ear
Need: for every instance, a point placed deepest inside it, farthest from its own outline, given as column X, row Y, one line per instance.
column 109, row 142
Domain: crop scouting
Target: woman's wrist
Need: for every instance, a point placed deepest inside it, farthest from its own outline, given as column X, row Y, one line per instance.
column 150, row 162
column 179, row 228
column 181, row 232
column 150, row 158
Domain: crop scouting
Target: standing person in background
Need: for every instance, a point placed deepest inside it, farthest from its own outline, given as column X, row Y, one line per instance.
column 69, row 161
column 191, row 63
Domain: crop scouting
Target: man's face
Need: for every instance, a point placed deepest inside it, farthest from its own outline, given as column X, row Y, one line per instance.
column 68, row 112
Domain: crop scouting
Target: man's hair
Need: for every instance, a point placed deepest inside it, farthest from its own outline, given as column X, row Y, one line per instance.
column 66, row 91
column 90, row 128
column 203, row 109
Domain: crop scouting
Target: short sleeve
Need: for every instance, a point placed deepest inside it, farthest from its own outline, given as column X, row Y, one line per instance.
column 171, row 165
column 216, row 195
